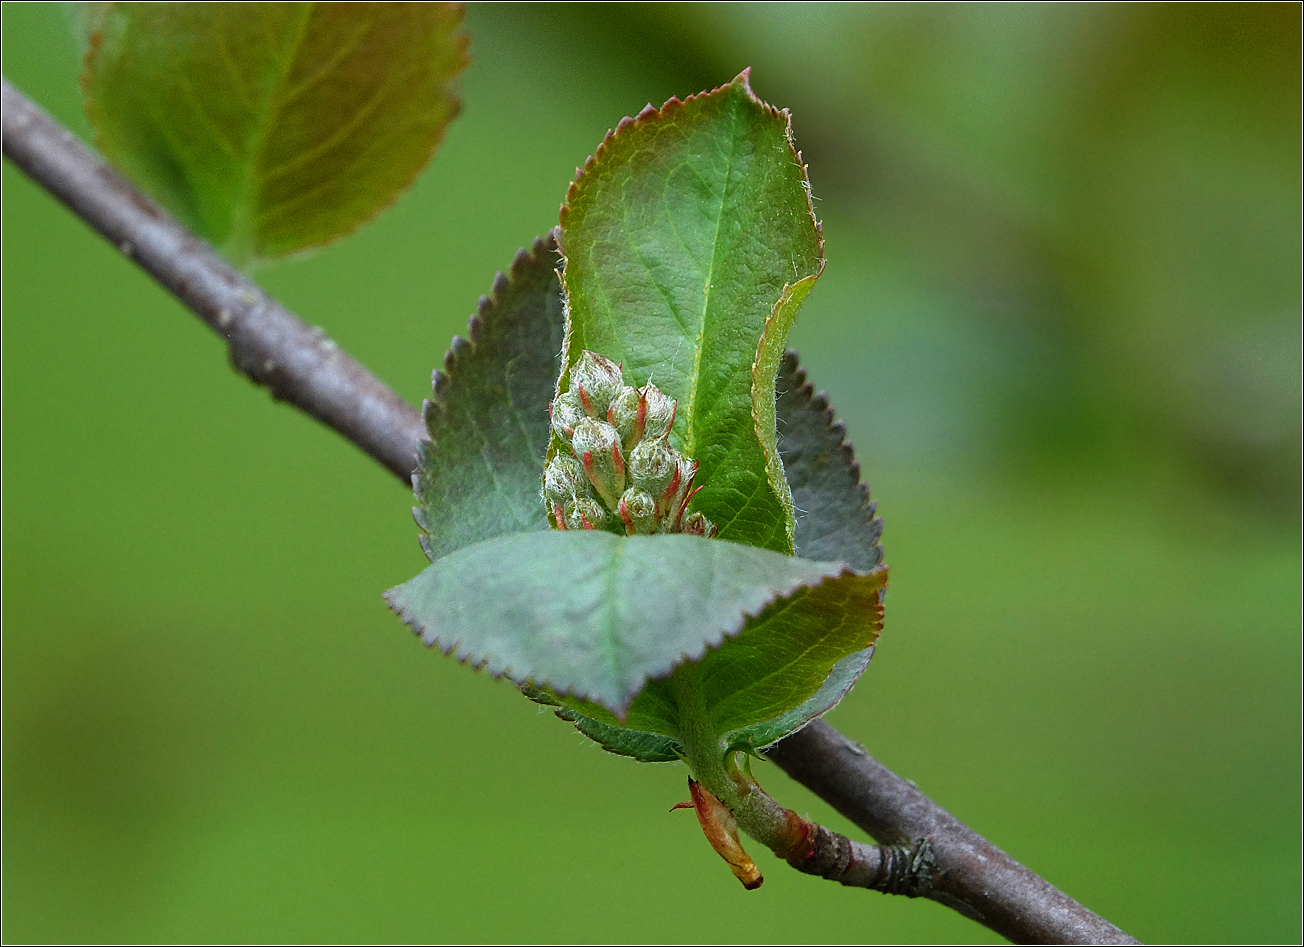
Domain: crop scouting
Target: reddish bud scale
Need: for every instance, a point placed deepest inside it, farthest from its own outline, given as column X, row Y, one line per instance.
column 640, row 419
column 679, row 502
column 683, row 507
column 628, row 414
column 721, row 830
column 585, row 399
column 666, row 501
column 630, row 526
column 618, row 460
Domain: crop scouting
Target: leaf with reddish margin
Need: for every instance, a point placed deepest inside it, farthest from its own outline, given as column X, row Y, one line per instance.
column 270, row 128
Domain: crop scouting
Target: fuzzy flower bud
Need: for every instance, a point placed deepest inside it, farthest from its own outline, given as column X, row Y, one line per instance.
column 614, row 465
column 627, row 414
column 584, row 513
column 564, row 479
column 596, row 380
column 652, row 465
column 638, row 511
column 660, row 412
column 566, row 412
column 597, row 446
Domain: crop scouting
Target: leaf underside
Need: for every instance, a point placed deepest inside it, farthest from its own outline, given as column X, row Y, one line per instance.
column 272, row 127
column 686, row 232
column 596, row 615
column 479, row 474
column 836, row 519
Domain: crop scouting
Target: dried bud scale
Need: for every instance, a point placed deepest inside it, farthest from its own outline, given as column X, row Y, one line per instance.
column 695, row 524
column 613, row 463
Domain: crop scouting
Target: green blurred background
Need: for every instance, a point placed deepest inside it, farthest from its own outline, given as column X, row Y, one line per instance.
column 1061, row 318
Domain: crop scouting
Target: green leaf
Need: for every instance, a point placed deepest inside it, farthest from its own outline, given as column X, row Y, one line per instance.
column 623, row 741
column 787, row 653
column 841, row 677
column 648, row 747
column 770, row 679
column 273, row 127
column 594, row 616
column 688, row 232
column 479, row 474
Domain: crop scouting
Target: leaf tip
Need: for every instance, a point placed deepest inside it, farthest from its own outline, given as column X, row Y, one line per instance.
column 744, row 82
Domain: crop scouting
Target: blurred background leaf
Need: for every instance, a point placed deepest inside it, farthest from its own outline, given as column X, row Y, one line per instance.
column 274, row 127
column 1061, row 320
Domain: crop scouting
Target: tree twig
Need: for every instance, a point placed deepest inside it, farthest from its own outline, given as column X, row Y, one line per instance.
column 301, row 365
column 971, row 874
column 270, row 344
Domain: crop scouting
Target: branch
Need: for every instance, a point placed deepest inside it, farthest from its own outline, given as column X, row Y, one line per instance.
column 971, row 874
column 301, row 365
column 270, row 344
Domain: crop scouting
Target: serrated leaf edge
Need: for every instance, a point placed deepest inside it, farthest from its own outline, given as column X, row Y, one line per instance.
column 790, row 368
column 460, row 348
column 770, row 596
column 649, row 114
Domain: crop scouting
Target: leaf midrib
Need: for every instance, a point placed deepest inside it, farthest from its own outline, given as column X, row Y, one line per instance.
column 690, row 439
column 242, row 236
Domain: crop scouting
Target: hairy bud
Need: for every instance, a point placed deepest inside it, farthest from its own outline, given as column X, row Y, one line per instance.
column 660, row 412
column 584, row 513
column 638, row 511
column 627, row 414
column 652, row 465
column 615, row 463
column 597, row 446
column 596, row 380
column 566, row 412
column 564, row 479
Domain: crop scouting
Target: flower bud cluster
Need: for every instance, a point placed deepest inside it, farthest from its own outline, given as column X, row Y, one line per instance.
column 615, row 463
